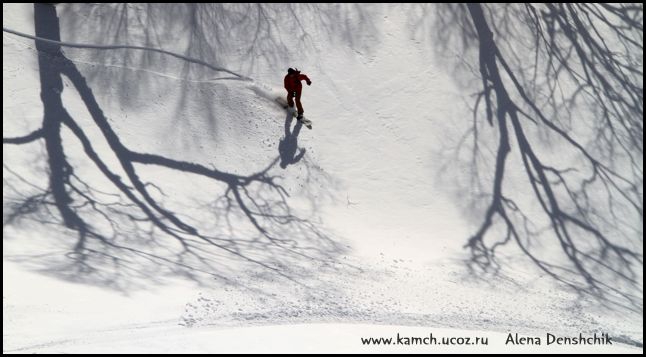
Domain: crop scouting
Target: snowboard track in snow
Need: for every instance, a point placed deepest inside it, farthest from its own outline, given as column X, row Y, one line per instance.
column 128, row 47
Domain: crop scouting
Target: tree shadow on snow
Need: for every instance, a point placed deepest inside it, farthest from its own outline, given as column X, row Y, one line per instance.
column 132, row 237
column 566, row 110
column 248, row 37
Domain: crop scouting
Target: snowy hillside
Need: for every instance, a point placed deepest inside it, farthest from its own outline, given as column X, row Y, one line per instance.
column 158, row 198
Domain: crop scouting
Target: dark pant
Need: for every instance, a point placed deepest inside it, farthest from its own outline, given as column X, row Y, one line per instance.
column 290, row 101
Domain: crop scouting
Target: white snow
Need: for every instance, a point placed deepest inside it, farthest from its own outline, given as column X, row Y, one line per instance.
column 374, row 246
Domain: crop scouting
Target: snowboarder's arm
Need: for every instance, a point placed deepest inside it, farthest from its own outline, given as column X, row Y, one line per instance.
column 304, row 77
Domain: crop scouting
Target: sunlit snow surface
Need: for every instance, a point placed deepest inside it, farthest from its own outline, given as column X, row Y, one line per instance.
column 360, row 236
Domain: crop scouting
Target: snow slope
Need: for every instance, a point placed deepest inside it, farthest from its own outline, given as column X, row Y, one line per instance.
column 355, row 236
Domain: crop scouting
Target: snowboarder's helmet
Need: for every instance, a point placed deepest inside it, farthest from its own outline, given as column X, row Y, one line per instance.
column 291, row 71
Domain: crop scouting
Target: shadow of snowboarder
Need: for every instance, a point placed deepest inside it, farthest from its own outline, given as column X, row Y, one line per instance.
column 288, row 146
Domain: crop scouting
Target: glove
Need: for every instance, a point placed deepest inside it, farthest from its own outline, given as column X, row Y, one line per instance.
column 309, row 83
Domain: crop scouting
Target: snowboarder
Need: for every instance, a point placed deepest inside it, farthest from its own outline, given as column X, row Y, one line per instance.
column 294, row 87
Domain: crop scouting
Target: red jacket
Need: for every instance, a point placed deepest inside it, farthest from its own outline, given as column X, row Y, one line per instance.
column 293, row 82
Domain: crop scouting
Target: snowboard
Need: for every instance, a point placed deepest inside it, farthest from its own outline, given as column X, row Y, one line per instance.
column 305, row 121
